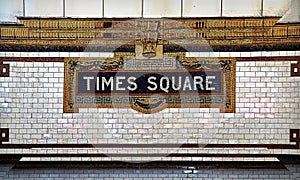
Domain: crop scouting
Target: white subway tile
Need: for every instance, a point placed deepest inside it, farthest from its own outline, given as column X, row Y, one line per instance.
column 266, row 53
column 224, row 54
column 2, row 54
column 44, row 54
column 256, row 54
column 235, row 54
column 64, row 54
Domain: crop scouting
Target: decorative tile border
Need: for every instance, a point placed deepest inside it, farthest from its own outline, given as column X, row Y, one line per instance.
column 294, row 138
column 156, row 164
column 4, row 135
column 223, row 34
column 292, row 56
column 295, row 68
column 4, row 69
column 73, row 99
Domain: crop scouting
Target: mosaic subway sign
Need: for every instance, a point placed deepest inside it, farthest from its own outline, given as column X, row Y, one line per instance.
column 149, row 86
column 105, row 83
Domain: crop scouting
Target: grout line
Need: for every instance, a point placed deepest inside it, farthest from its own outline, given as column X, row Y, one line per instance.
column 64, row 8
column 188, row 54
column 221, row 12
column 103, row 8
column 181, row 6
column 142, row 15
column 23, row 8
column 262, row 8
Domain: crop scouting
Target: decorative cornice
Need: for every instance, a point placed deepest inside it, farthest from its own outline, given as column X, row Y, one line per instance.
column 220, row 34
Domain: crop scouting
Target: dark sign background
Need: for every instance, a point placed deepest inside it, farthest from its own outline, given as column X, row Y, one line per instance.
column 142, row 82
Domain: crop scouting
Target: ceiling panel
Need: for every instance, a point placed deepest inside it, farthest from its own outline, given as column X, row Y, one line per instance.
column 10, row 9
column 86, row 8
column 121, row 8
column 293, row 13
column 201, row 8
column 241, row 8
column 162, row 8
column 276, row 7
column 48, row 8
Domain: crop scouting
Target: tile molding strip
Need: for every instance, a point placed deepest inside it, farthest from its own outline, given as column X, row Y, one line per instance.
column 294, row 138
column 145, row 155
column 153, row 164
column 61, row 59
column 4, row 68
column 90, row 146
column 168, row 48
column 4, row 134
column 295, row 69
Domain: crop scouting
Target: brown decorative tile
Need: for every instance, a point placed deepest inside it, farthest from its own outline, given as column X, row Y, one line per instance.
column 4, row 69
column 295, row 136
column 61, row 59
column 142, row 98
column 4, row 135
column 73, row 34
column 295, row 69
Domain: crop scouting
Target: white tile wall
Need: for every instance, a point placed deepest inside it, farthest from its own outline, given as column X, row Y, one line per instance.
column 267, row 100
column 291, row 172
column 201, row 8
column 49, row 8
column 86, row 8
column 121, row 8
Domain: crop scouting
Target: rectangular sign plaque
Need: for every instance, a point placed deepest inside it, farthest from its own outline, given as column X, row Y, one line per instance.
column 149, row 86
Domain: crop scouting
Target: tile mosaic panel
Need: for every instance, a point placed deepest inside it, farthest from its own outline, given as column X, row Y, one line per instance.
column 79, row 74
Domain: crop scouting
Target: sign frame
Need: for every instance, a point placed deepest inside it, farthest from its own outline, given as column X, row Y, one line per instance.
column 147, row 104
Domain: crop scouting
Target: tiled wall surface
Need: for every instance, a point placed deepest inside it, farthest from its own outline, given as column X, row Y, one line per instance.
column 292, row 172
column 267, row 107
column 267, row 103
